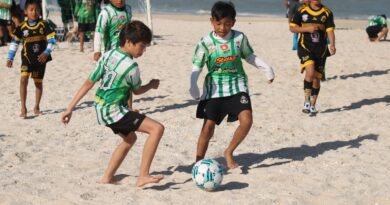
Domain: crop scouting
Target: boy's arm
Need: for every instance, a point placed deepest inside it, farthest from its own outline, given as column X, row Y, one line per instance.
column 259, row 63
column 88, row 84
column 101, row 26
column 153, row 84
column 332, row 42
column 194, row 89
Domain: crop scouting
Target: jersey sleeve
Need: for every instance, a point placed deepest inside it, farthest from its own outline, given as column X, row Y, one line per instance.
column 100, row 31
column 199, row 58
column 133, row 78
column 246, row 48
column 49, row 32
column 98, row 73
column 329, row 24
column 17, row 35
column 296, row 19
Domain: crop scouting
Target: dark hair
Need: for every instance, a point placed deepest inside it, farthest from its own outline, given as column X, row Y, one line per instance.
column 222, row 9
column 135, row 32
column 37, row 2
column 383, row 15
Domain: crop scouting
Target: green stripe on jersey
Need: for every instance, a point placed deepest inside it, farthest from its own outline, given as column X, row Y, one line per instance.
column 114, row 70
column 226, row 75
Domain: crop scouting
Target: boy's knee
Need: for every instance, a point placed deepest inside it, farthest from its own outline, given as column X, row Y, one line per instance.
column 159, row 129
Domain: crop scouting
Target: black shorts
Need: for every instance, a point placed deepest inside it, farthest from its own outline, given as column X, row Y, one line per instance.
column 5, row 22
column 85, row 27
column 373, row 31
column 37, row 71
column 129, row 123
column 318, row 59
column 216, row 109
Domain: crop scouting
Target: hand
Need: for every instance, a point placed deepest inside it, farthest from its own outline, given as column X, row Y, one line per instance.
column 332, row 50
column 312, row 29
column 270, row 81
column 43, row 57
column 9, row 64
column 194, row 92
column 96, row 56
column 66, row 117
column 154, row 83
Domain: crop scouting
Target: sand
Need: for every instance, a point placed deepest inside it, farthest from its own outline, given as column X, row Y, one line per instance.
column 341, row 156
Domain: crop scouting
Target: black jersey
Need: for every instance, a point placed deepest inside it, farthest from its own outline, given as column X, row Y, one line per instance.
column 34, row 39
column 323, row 18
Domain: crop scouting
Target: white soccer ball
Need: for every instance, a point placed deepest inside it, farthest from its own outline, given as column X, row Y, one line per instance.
column 207, row 174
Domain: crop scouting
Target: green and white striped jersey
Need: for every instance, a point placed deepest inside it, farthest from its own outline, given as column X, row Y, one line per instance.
column 118, row 74
column 5, row 14
column 109, row 24
column 226, row 75
column 86, row 11
column 377, row 20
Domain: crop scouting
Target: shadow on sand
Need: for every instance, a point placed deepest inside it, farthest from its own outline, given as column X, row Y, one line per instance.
column 357, row 105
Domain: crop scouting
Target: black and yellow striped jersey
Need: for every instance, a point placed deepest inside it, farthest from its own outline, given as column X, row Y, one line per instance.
column 323, row 18
column 34, row 39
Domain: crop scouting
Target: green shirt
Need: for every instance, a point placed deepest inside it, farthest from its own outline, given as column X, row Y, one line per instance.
column 86, row 11
column 226, row 75
column 109, row 24
column 118, row 74
column 377, row 20
column 5, row 14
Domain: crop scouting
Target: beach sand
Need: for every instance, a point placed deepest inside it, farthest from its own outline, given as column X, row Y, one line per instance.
column 341, row 156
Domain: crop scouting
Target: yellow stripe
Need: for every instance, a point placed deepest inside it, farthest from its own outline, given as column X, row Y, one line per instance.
column 309, row 62
column 315, row 13
column 99, row 100
column 330, row 29
column 25, row 74
column 320, row 26
column 50, row 35
column 36, row 80
column 34, row 39
column 293, row 25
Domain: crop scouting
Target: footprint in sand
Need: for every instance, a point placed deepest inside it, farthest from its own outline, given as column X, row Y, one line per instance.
column 88, row 196
column 22, row 156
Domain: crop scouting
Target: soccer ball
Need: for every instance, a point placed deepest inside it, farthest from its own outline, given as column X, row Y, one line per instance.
column 207, row 174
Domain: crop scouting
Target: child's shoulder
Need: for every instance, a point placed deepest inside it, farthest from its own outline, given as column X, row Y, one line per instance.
column 326, row 9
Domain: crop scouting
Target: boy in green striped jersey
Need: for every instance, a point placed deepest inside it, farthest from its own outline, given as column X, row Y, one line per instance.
column 5, row 21
column 109, row 23
column 225, row 90
column 118, row 75
column 86, row 14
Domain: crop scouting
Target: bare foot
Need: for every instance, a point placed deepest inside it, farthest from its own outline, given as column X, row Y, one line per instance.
column 23, row 113
column 141, row 181
column 37, row 110
column 230, row 162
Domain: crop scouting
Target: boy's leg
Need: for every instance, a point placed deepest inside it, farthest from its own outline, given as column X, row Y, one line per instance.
column 245, row 119
column 155, row 131
column 314, row 94
column 38, row 95
column 204, row 138
column 118, row 156
column 308, row 86
column 23, row 94
column 81, row 36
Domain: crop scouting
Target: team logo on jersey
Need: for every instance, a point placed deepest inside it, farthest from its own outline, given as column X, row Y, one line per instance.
column 323, row 19
column 41, row 30
column 225, row 59
column 122, row 18
column 211, row 48
column 224, row 47
column 244, row 100
column 305, row 17
column 238, row 44
column 25, row 33
column 36, row 48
